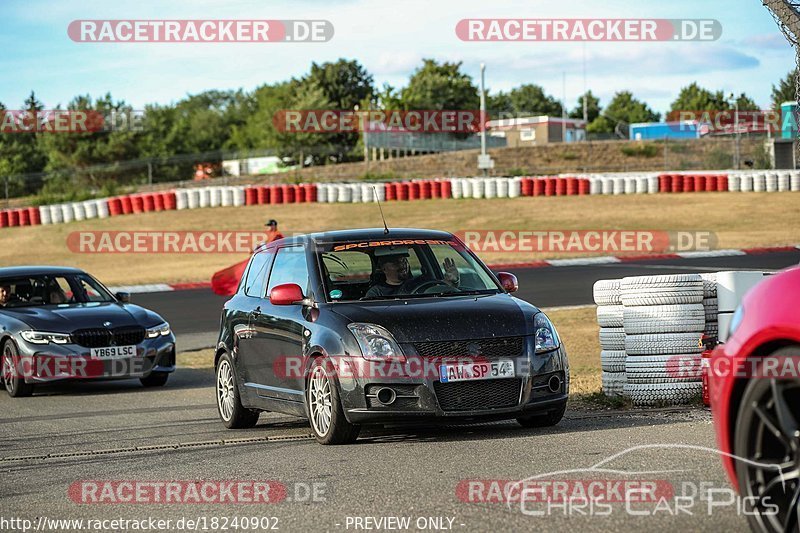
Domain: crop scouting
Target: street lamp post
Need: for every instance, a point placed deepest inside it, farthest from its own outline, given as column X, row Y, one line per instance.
column 736, row 155
column 483, row 114
column 484, row 161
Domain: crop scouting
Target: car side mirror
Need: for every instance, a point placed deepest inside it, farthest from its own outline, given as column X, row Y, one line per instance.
column 508, row 281
column 124, row 297
column 286, row 294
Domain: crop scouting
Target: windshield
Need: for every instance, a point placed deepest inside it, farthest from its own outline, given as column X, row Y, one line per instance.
column 405, row 268
column 26, row 291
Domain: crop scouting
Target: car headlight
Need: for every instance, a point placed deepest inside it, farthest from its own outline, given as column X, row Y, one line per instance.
column 45, row 337
column 376, row 342
column 545, row 333
column 736, row 320
column 162, row 330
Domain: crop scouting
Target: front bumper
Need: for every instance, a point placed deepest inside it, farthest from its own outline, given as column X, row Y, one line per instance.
column 720, row 387
column 61, row 362
column 423, row 398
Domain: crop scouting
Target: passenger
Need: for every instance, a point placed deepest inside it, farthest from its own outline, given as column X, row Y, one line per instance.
column 57, row 296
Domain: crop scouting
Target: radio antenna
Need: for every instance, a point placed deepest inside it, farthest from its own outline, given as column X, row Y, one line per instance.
column 385, row 227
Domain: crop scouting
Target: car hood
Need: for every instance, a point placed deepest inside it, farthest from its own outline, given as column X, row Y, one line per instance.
column 68, row 318
column 442, row 319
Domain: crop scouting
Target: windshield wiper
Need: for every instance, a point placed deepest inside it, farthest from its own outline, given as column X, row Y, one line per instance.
column 485, row 292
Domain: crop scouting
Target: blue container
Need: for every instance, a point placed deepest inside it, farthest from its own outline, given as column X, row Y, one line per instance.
column 643, row 131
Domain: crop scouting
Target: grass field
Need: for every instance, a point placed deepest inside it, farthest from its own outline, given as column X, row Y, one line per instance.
column 738, row 219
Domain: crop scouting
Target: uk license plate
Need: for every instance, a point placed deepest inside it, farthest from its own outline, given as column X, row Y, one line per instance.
column 475, row 371
column 113, row 352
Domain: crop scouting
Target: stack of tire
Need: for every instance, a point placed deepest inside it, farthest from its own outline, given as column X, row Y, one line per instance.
column 710, row 305
column 664, row 319
column 607, row 296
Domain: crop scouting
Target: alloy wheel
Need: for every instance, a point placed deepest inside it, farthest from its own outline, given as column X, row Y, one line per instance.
column 8, row 368
column 319, row 400
column 225, row 391
column 772, row 479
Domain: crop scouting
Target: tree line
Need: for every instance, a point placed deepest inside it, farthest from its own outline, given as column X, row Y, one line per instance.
column 213, row 122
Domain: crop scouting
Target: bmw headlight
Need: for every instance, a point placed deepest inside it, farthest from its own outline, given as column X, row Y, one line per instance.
column 545, row 333
column 162, row 330
column 376, row 342
column 44, row 337
column 736, row 320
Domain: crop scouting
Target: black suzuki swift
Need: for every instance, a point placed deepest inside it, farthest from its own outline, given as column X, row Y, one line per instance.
column 358, row 327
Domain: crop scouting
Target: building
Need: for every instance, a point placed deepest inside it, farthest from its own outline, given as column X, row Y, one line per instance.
column 531, row 131
column 255, row 165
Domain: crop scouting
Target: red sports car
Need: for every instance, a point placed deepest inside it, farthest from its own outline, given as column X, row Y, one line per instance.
column 755, row 398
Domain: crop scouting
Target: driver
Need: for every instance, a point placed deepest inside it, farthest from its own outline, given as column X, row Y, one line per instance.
column 393, row 262
column 5, row 295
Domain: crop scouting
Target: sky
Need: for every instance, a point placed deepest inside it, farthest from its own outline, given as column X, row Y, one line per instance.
column 390, row 38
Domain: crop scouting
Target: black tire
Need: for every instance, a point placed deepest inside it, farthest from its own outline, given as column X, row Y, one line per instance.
column 229, row 404
column 14, row 382
column 755, row 441
column 155, row 379
column 339, row 430
column 546, row 420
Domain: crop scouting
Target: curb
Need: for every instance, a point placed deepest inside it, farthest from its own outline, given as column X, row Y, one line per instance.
column 586, row 261
column 609, row 259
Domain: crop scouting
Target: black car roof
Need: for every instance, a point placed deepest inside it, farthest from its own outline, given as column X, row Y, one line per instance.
column 17, row 271
column 367, row 234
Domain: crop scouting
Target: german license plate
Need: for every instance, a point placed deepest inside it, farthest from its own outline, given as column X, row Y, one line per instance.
column 113, row 352
column 476, row 371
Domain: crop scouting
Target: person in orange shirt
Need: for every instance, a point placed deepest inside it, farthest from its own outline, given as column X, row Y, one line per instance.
column 225, row 281
column 272, row 233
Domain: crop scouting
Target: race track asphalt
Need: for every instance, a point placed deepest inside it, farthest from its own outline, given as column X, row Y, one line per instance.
column 119, row 431
column 69, row 433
